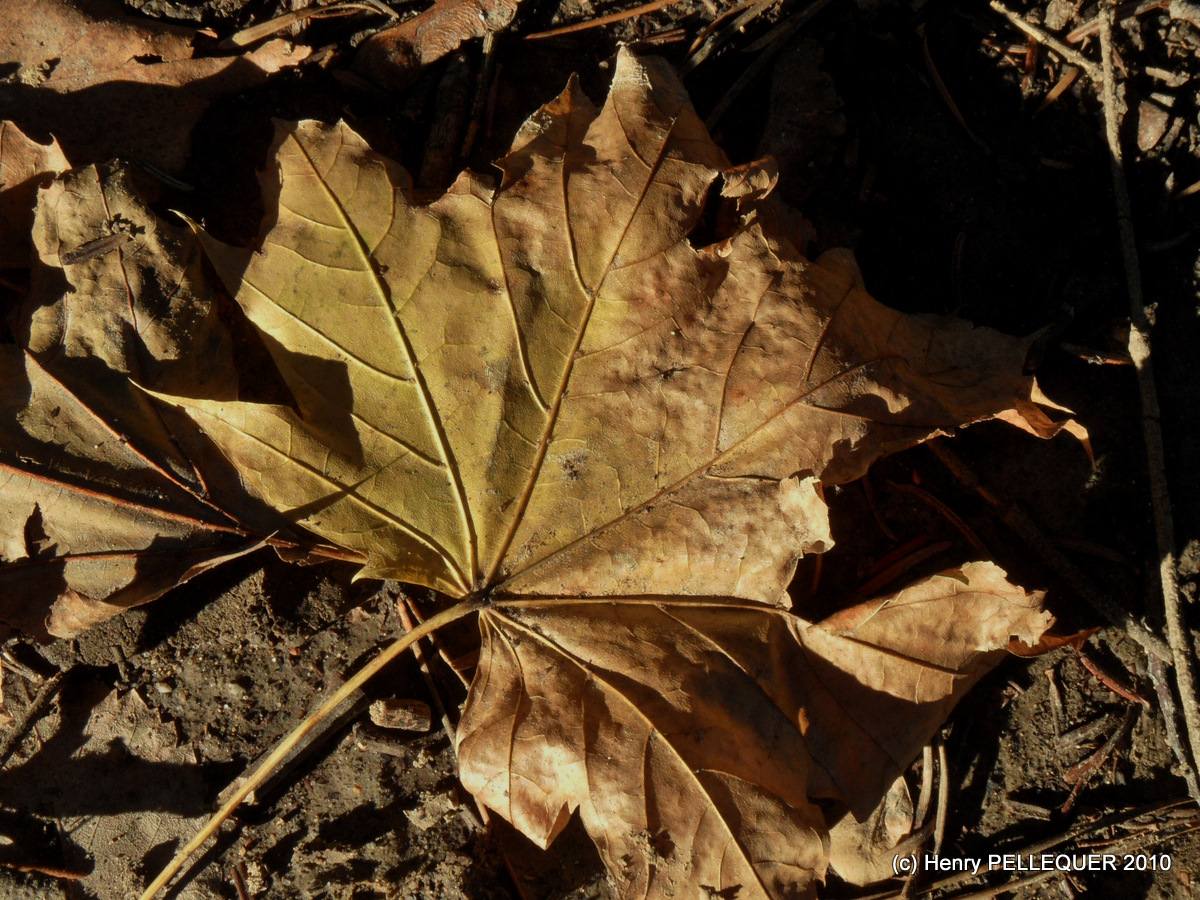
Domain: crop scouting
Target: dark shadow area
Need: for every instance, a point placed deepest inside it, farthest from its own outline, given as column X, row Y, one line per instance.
column 160, row 621
column 33, row 841
column 109, row 121
column 58, row 782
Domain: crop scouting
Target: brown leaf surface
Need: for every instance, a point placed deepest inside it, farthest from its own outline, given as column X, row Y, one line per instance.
column 109, row 84
column 24, row 164
column 395, row 56
column 541, row 392
column 694, row 734
column 108, row 499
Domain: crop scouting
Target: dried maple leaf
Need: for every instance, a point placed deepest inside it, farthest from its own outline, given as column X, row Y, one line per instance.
column 24, row 163
column 109, row 84
column 107, row 500
column 540, row 393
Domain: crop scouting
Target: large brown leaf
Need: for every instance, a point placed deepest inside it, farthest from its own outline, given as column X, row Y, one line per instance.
column 540, row 392
column 543, row 387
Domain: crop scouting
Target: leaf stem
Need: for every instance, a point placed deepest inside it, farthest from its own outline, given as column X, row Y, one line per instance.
column 361, row 677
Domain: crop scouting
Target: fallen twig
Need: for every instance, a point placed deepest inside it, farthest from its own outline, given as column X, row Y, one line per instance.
column 1064, row 82
column 926, row 792
column 1124, row 11
column 1110, row 681
column 239, row 883
column 1166, row 704
column 659, row 38
column 779, row 38
column 943, row 798
column 945, row 91
column 711, row 39
column 869, row 493
column 254, row 33
column 620, row 16
column 937, row 830
column 402, row 607
column 51, row 871
column 29, row 717
column 1139, row 352
column 1070, row 54
column 1098, row 357
column 1082, row 773
column 348, row 709
column 947, row 513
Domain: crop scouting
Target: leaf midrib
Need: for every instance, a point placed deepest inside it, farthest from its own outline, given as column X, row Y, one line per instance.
column 560, row 392
column 595, row 674
column 465, row 581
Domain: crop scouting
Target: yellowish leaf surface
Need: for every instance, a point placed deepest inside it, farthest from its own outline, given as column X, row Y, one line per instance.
column 541, row 386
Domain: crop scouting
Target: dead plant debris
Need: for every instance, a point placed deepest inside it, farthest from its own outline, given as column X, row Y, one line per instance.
column 600, row 404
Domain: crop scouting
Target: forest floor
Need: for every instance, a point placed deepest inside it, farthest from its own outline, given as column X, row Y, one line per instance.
column 998, row 208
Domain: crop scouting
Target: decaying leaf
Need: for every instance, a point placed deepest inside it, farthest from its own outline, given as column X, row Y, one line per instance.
column 119, row 784
column 395, row 56
column 541, row 393
column 693, row 735
column 24, row 163
column 106, row 499
column 862, row 852
column 109, row 84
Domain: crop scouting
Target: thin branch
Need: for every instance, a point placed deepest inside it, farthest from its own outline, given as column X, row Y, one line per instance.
column 1166, row 702
column 1139, row 352
column 1070, row 54
column 778, row 39
column 29, row 717
column 620, row 16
